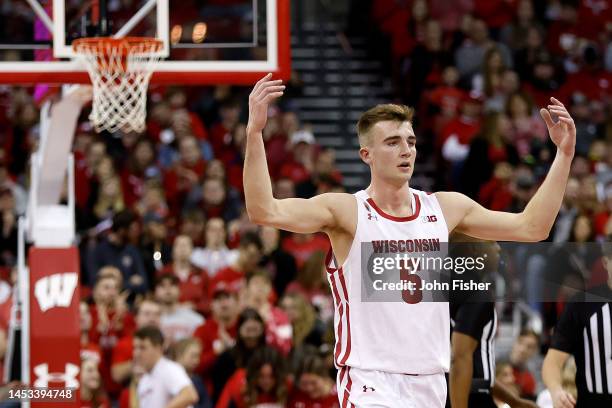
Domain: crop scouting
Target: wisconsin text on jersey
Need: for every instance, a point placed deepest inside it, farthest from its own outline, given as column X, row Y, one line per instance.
column 406, row 245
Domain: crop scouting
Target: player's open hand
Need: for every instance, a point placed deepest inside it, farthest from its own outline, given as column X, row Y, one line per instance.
column 265, row 91
column 563, row 132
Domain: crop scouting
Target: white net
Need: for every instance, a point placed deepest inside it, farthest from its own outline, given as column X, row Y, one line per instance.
column 120, row 70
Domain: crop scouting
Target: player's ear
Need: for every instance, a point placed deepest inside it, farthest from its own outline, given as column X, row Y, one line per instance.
column 364, row 153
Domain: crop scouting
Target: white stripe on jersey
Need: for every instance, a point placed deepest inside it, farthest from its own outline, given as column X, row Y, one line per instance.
column 607, row 345
column 587, row 361
column 595, row 340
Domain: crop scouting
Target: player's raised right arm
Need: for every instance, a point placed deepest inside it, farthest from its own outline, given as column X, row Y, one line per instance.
column 293, row 214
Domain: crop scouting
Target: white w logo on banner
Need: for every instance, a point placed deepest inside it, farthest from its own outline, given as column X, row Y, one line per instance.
column 44, row 377
column 55, row 290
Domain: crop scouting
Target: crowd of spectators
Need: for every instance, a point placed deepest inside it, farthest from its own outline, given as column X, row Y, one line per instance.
column 246, row 311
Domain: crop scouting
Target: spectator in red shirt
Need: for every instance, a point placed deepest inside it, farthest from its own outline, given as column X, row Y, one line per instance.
column 193, row 281
column 219, row 332
column 141, row 165
column 299, row 166
column 221, row 133
column 91, row 391
column 263, row 382
column 89, row 350
column 249, row 255
column 313, row 386
column 111, row 320
column 148, row 314
column 177, row 321
column 279, row 332
column 524, row 349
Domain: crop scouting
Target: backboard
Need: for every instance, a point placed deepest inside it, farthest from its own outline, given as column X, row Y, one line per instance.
column 205, row 41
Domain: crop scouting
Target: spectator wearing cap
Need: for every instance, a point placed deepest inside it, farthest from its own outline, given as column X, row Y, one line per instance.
column 156, row 253
column 215, row 255
column 116, row 251
column 219, row 331
column 300, row 164
column 249, row 255
column 177, row 322
column 164, row 383
column 279, row 332
column 193, row 281
column 148, row 314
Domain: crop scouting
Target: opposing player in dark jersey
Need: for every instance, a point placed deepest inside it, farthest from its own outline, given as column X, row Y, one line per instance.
column 474, row 326
column 584, row 330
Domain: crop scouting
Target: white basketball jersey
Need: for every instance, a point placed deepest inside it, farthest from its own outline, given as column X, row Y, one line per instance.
column 393, row 336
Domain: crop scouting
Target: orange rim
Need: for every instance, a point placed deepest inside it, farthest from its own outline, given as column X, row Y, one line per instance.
column 125, row 45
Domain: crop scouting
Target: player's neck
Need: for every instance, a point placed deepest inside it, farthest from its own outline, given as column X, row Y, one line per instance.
column 394, row 199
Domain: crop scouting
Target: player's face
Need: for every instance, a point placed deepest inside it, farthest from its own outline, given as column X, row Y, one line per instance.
column 392, row 151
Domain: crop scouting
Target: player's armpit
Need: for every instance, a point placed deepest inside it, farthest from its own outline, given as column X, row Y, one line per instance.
column 324, row 212
column 470, row 218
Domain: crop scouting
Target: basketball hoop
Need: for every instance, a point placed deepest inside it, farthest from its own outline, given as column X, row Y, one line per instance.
column 120, row 70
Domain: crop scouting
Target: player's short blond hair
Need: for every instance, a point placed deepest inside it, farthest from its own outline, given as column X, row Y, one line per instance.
column 381, row 113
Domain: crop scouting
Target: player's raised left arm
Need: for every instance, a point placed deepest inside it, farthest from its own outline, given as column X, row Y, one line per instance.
column 536, row 220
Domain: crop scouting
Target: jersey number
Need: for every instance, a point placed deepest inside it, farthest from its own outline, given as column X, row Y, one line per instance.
column 411, row 296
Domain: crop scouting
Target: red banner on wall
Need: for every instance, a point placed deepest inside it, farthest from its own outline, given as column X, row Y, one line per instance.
column 54, row 319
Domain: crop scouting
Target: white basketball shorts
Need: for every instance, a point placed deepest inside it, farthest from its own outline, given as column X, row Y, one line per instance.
column 378, row 389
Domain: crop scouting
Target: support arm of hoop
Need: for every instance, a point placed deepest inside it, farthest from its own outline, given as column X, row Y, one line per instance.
column 57, row 132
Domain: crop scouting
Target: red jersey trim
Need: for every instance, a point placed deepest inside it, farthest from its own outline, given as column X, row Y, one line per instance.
column 328, row 259
column 417, row 210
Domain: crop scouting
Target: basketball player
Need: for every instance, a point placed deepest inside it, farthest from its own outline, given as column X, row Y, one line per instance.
column 393, row 354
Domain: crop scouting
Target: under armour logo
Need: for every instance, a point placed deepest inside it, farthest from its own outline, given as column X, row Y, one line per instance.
column 44, row 377
column 370, row 216
column 55, row 290
column 365, row 389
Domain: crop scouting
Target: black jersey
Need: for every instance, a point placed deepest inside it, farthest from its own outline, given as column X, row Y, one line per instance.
column 585, row 331
column 479, row 321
